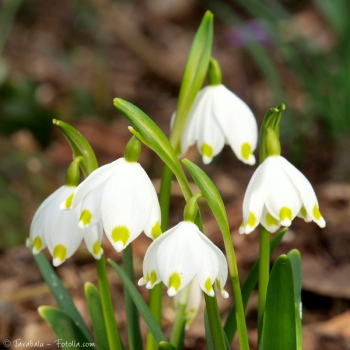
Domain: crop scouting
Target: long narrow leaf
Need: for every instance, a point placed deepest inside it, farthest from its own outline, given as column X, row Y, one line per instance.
column 93, row 300
column 60, row 293
column 80, row 146
column 279, row 332
column 68, row 333
column 144, row 310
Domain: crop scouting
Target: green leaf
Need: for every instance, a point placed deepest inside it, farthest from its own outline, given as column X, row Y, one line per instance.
column 132, row 316
column 194, row 75
column 80, row 146
column 69, row 335
column 163, row 345
column 272, row 119
column 148, row 132
column 60, row 293
column 144, row 310
column 208, row 336
column 248, row 287
column 93, row 300
column 295, row 260
column 279, row 332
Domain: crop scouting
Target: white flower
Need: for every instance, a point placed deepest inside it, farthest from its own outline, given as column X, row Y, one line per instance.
column 276, row 194
column 193, row 304
column 123, row 197
column 58, row 230
column 179, row 255
column 218, row 116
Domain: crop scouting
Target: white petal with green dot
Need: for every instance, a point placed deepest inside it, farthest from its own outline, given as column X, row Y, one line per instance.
column 90, row 209
column 61, row 232
column 93, row 239
column 237, row 122
column 271, row 223
column 152, row 228
column 305, row 190
column 127, row 200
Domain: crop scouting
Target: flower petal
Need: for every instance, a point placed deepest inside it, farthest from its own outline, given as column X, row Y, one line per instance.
column 237, row 123
column 93, row 238
column 306, row 192
column 126, row 204
column 90, row 209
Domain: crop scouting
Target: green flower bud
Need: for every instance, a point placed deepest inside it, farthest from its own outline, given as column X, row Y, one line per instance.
column 132, row 150
column 191, row 208
column 73, row 172
column 214, row 72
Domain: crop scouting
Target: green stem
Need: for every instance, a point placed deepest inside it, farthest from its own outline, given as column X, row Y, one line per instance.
column 164, row 196
column 178, row 331
column 134, row 332
column 264, row 271
column 107, row 306
column 216, row 329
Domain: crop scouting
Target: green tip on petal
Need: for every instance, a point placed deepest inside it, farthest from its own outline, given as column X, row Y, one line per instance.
column 85, row 218
column 251, row 219
column 97, row 249
column 303, row 212
column 174, row 283
column 59, row 254
column 208, row 285
column 286, row 215
column 246, row 150
column 37, row 244
column 69, row 201
column 316, row 212
column 207, row 150
column 271, row 221
column 156, row 230
column 120, row 234
column 153, row 277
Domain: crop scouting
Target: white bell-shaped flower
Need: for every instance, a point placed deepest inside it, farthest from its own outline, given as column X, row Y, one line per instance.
column 122, row 196
column 58, row 230
column 179, row 255
column 276, row 194
column 217, row 117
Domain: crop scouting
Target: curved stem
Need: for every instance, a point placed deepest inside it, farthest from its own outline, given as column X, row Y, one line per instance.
column 107, row 306
column 264, row 271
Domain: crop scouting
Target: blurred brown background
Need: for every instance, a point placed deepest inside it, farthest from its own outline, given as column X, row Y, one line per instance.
column 68, row 59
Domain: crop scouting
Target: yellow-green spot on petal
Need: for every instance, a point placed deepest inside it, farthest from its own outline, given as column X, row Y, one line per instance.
column 153, row 277
column 246, row 150
column 38, row 243
column 208, row 285
column 156, row 230
column 303, row 212
column 218, row 284
column 175, row 281
column 69, row 201
column 60, row 252
column 270, row 220
column 85, row 217
column 120, row 233
column 207, row 150
column 147, row 277
column 316, row 212
column 286, row 213
column 251, row 219
column 96, row 248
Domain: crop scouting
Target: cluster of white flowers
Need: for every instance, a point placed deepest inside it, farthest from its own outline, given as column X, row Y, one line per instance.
column 120, row 199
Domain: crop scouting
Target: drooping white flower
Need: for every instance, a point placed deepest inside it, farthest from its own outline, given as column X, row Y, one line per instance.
column 179, row 255
column 217, row 117
column 276, row 194
column 58, row 230
column 123, row 197
column 193, row 303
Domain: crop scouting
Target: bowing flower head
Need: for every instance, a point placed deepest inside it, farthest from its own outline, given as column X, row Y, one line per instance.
column 58, row 231
column 217, row 117
column 122, row 196
column 276, row 194
column 179, row 255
